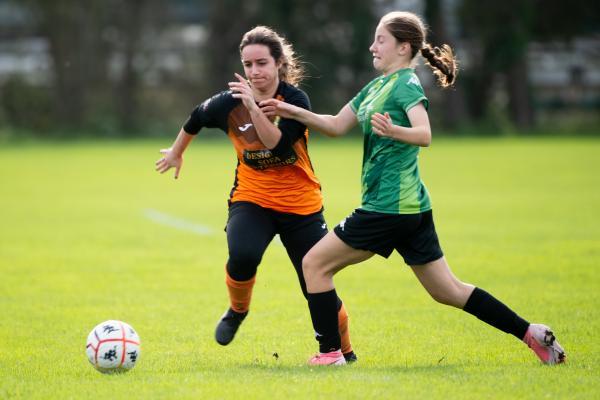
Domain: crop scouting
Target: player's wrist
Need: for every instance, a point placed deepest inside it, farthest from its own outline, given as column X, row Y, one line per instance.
column 255, row 111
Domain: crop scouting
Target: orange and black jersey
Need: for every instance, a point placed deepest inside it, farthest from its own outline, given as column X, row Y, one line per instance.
column 281, row 178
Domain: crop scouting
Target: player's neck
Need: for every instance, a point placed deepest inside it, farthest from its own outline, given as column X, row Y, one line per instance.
column 266, row 93
column 396, row 67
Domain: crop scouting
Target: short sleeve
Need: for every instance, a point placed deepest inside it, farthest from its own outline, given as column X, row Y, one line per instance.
column 410, row 93
column 212, row 113
column 291, row 130
column 291, row 127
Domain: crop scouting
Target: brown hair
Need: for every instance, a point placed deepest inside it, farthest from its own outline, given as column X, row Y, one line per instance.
column 408, row 27
column 290, row 70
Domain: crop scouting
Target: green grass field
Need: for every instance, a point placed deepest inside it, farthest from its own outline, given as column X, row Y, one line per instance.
column 90, row 232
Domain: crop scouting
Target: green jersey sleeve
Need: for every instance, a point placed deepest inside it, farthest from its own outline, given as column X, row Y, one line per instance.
column 409, row 93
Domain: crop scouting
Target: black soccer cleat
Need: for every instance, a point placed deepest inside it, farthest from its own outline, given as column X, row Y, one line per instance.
column 228, row 326
column 350, row 357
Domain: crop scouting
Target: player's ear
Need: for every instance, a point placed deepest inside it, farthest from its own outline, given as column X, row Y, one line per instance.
column 403, row 48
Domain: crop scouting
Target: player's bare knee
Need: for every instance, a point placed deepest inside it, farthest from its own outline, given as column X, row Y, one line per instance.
column 308, row 267
column 313, row 269
column 440, row 296
column 454, row 293
column 448, row 296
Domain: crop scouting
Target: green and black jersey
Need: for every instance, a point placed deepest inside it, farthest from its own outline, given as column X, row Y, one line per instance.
column 390, row 175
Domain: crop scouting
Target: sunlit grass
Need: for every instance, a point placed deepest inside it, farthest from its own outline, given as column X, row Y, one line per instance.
column 517, row 217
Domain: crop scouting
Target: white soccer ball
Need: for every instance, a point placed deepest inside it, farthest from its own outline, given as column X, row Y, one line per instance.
column 113, row 346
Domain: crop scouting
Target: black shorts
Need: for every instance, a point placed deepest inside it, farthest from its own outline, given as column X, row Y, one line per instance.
column 411, row 235
column 250, row 228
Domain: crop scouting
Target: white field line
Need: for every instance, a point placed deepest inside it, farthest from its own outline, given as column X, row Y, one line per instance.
column 177, row 223
column 184, row 225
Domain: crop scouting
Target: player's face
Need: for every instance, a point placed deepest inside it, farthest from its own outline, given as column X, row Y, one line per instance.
column 260, row 67
column 387, row 52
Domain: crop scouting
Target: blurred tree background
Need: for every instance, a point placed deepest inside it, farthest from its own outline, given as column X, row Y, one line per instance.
column 137, row 67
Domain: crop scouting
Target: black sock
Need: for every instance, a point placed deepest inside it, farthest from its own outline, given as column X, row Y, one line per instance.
column 489, row 309
column 324, row 314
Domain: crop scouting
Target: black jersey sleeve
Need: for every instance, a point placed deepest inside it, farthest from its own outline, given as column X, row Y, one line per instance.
column 212, row 113
column 291, row 130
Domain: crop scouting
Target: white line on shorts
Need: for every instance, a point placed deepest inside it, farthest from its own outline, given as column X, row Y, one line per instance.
column 177, row 223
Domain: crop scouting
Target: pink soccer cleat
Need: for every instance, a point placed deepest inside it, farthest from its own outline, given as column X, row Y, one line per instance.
column 541, row 340
column 331, row 358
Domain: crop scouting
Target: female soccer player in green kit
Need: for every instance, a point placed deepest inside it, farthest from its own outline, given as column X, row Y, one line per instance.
column 395, row 213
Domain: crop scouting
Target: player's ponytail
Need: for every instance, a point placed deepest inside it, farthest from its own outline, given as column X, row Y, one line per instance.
column 442, row 62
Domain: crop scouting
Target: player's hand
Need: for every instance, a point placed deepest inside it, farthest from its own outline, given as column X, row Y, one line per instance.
column 277, row 108
column 168, row 161
column 382, row 124
column 241, row 90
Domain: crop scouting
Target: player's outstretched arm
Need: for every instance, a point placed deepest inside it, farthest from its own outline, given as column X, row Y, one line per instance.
column 173, row 156
column 330, row 125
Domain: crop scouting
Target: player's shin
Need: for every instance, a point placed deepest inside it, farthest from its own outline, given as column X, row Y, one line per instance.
column 489, row 309
column 240, row 293
column 324, row 315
